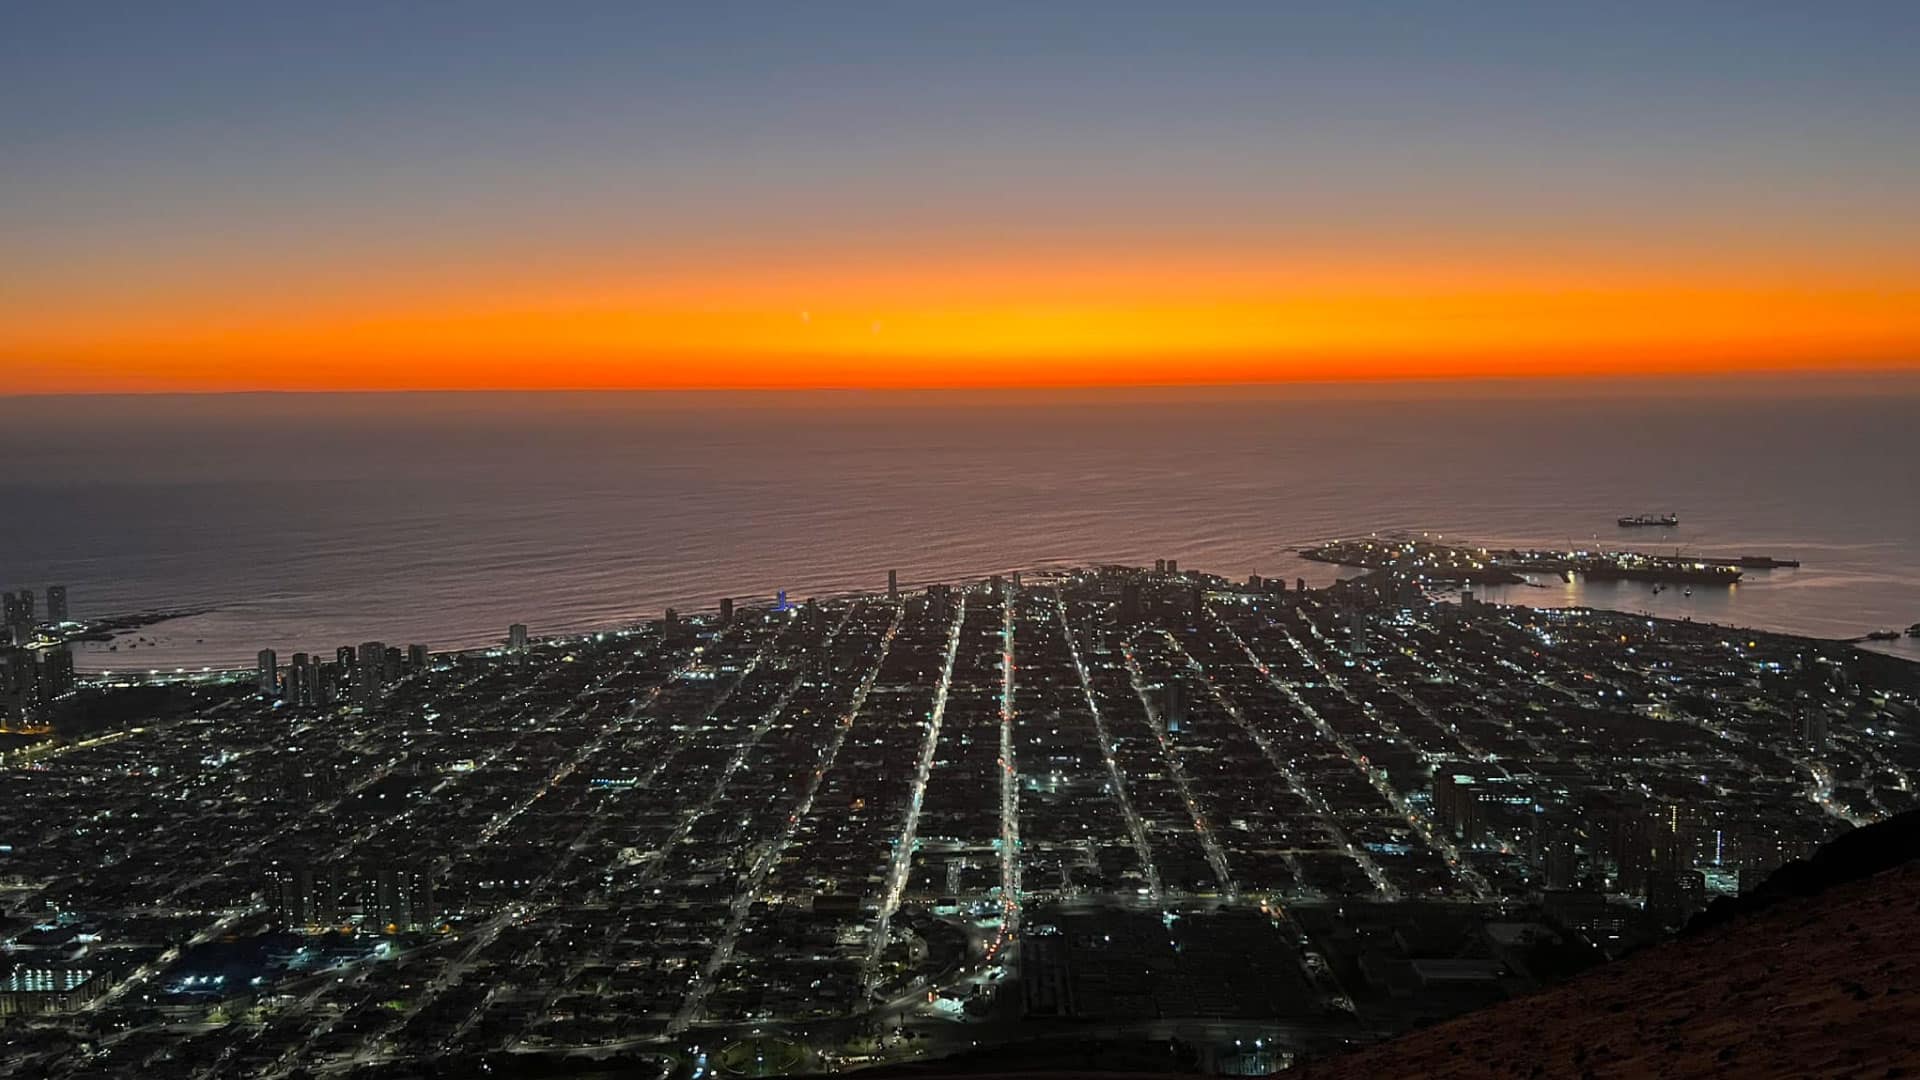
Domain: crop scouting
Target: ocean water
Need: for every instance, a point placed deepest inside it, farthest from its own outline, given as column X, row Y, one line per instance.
column 308, row 522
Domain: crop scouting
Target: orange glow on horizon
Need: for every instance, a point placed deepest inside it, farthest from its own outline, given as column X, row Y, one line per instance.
column 961, row 324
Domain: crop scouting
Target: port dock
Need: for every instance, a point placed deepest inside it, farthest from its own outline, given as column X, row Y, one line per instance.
column 1478, row 565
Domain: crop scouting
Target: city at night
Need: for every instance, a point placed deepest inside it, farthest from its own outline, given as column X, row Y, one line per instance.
column 1233, row 821
column 1005, row 542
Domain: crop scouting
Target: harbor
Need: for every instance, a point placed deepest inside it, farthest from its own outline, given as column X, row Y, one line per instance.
column 1582, row 578
column 1434, row 560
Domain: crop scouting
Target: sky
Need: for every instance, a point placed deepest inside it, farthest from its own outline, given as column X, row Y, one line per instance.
column 422, row 196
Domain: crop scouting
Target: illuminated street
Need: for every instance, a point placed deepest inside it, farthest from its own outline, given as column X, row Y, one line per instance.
column 881, row 828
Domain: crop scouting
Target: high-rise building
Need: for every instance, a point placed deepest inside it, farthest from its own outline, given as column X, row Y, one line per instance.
column 56, row 675
column 1159, row 566
column 398, row 898
column 16, row 627
column 56, row 603
column 300, row 688
column 417, row 658
column 1356, row 621
column 1130, row 602
column 1173, row 705
column 517, row 636
column 19, row 682
column 329, row 684
column 940, row 601
column 1811, row 727
column 1173, row 566
column 1674, row 896
column 1631, row 836
column 268, row 673
column 369, row 672
column 726, row 611
column 305, row 897
column 1459, row 801
column 893, row 584
column 1562, row 863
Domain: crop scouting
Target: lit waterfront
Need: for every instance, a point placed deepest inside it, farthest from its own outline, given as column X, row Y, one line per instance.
column 882, row 827
column 442, row 519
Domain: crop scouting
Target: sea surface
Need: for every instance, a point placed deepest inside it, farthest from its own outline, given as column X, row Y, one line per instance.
column 305, row 522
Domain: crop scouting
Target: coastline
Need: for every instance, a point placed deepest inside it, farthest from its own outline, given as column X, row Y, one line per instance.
column 746, row 602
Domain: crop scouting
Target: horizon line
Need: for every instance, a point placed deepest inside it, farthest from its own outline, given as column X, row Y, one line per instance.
column 1900, row 371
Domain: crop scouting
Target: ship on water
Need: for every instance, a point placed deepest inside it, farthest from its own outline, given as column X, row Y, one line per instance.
column 1641, row 521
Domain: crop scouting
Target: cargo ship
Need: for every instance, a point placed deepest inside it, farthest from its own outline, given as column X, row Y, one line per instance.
column 1641, row 521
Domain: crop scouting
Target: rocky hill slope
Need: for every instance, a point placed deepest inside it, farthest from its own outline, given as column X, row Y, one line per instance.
column 1822, row 985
